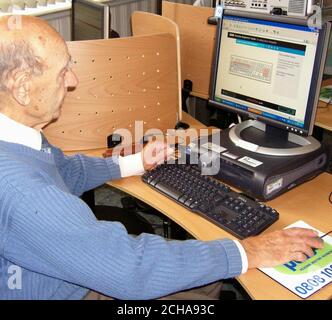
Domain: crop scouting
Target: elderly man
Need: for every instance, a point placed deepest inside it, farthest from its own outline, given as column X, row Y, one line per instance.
column 52, row 236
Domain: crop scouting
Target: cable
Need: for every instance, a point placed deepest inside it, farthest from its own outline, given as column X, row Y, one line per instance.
column 326, row 234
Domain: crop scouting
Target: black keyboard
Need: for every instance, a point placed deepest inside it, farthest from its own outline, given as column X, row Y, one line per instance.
column 210, row 198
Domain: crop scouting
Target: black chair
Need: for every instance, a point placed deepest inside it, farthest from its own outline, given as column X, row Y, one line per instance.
column 134, row 222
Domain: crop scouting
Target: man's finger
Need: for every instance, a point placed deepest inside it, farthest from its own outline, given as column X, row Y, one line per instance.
column 302, row 247
column 159, row 145
column 301, row 232
column 298, row 256
column 164, row 155
column 313, row 242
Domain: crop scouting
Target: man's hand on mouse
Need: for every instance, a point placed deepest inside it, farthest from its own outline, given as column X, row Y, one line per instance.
column 155, row 153
column 279, row 247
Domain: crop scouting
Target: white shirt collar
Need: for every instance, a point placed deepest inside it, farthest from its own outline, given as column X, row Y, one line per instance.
column 15, row 132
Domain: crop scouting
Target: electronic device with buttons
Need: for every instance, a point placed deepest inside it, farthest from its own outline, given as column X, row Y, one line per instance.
column 260, row 176
column 292, row 8
column 211, row 199
column 269, row 69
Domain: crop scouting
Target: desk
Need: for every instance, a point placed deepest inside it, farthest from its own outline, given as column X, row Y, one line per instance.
column 324, row 117
column 304, row 202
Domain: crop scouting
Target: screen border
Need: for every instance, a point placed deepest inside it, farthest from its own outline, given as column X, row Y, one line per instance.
column 316, row 78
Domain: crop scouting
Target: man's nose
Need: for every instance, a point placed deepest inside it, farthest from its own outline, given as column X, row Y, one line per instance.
column 71, row 80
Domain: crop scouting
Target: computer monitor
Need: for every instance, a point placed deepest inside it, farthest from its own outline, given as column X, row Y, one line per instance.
column 270, row 69
column 328, row 62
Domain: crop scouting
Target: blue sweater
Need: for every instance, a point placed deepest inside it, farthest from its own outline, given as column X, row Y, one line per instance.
column 63, row 251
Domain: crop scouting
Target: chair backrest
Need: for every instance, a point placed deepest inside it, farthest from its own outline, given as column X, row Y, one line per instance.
column 197, row 39
column 121, row 81
column 144, row 23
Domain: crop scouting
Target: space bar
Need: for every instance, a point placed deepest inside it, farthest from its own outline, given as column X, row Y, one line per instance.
column 175, row 194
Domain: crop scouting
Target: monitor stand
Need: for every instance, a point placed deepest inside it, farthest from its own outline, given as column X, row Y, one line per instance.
column 258, row 137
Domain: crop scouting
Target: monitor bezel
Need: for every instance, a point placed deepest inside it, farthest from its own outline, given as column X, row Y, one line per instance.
column 316, row 79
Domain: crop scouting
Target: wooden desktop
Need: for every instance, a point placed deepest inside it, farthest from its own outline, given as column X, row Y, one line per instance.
column 308, row 202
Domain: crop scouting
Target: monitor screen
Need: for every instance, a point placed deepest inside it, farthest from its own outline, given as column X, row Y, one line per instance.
column 269, row 70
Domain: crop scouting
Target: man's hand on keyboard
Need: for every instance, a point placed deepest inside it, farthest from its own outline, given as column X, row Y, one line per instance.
column 279, row 247
column 156, row 152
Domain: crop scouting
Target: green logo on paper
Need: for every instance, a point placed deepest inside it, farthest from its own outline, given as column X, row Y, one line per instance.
column 322, row 258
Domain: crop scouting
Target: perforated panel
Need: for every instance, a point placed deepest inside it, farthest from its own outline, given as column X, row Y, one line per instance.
column 121, row 80
column 144, row 23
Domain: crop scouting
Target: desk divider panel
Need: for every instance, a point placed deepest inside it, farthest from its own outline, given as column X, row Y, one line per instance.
column 144, row 23
column 197, row 39
column 120, row 81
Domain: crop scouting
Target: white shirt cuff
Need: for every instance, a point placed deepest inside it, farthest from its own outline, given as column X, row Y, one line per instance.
column 244, row 257
column 131, row 165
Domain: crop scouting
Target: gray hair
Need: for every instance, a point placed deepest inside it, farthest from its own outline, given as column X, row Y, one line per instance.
column 17, row 55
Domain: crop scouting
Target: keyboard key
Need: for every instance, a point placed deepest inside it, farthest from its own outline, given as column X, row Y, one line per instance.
column 172, row 192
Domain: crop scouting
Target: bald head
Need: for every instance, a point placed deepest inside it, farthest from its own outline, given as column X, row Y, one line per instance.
column 25, row 44
column 37, row 32
column 34, row 70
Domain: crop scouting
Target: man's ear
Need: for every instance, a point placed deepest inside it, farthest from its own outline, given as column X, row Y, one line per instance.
column 21, row 87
